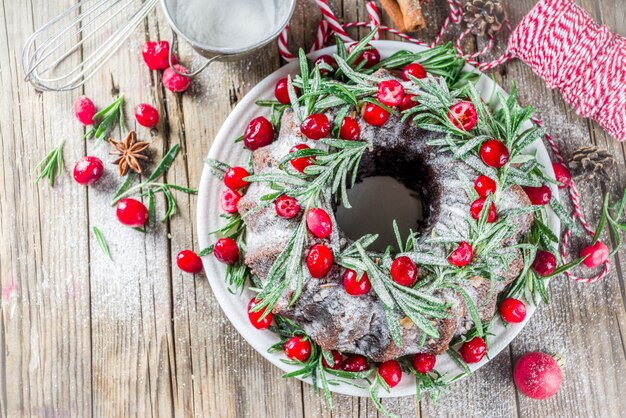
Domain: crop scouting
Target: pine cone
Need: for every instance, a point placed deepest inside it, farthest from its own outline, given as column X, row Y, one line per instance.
column 484, row 16
column 589, row 162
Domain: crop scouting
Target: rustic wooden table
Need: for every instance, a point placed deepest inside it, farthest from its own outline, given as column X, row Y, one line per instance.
column 81, row 335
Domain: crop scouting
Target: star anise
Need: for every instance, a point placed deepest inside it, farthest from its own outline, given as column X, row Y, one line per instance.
column 130, row 152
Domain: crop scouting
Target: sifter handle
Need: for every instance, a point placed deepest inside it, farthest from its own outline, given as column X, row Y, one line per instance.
column 193, row 73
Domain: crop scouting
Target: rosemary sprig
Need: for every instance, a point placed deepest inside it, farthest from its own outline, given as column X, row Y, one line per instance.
column 101, row 242
column 107, row 118
column 51, row 166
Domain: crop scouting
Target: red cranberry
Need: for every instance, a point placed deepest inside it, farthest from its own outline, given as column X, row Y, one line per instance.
column 375, row 115
column 316, row 126
column 132, row 213
column 391, row 372
column 463, row 116
column 354, row 287
column 484, row 186
column 319, row 260
column 355, row 363
column 462, row 256
column 303, row 162
column 596, row 254
column 146, row 115
column 88, row 170
column 424, row 363
column 562, row 175
column 494, row 153
column 538, row 195
column 390, row 92
column 258, row 133
column 477, row 207
column 175, row 82
column 473, row 350
column 414, row 69
column 298, row 348
column 337, row 360
column 255, row 317
column 155, row 55
column 287, row 207
column 234, row 178
column 226, row 250
column 537, row 375
column 512, row 310
column 319, row 223
column 545, row 263
column 229, row 200
column 281, row 91
column 325, row 59
column 350, row 129
column 371, row 56
column 404, row 271
column 408, row 102
column 189, row 262
column 84, row 109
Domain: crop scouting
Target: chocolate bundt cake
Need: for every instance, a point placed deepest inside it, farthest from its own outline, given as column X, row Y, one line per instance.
column 326, row 312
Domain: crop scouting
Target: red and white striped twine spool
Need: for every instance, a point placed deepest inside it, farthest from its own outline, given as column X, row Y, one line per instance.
column 561, row 43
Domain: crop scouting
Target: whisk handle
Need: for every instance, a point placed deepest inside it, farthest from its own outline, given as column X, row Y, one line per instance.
column 193, row 73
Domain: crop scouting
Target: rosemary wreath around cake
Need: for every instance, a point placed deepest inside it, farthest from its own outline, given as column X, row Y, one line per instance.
column 346, row 313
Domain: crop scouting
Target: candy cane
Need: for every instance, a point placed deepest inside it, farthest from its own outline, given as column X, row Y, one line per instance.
column 372, row 12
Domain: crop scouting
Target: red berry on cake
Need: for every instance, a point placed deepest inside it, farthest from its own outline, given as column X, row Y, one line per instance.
column 318, row 222
column 234, row 178
column 316, row 126
column 414, row 69
column 371, row 56
column 424, row 362
column 337, row 360
column 484, row 186
column 229, row 200
column 477, row 207
column 462, row 255
column 354, row 285
column 463, row 116
column 281, row 91
column 408, row 102
column 545, row 263
column 404, row 271
column 538, row 195
column 175, row 82
column 88, row 170
column 375, row 115
column 596, row 254
column 325, row 59
column 474, row 350
column 512, row 310
column 494, row 153
column 562, row 175
column 391, row 372
column 287, row 207
column 355, row 363
column 390, row 92
column 319, row 260
column 350, row 129
column 189, row 262
column 84, row 110
column 255, row 317
column 303, row 162
column 226, row 250
column 131, row 212
column 155, row 55
column 298, row 348
column 146, row 115
column 537, row 375
column 258, row 133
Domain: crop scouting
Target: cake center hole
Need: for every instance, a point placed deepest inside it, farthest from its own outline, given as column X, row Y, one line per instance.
column 376, row 201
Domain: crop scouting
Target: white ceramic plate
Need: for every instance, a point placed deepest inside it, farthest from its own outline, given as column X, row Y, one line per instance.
column 235, row 306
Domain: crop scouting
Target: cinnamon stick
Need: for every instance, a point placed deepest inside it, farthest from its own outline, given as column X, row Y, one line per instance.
column 392, row 8
column 412, row 14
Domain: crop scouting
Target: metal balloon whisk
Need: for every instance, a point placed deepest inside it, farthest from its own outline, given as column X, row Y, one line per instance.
column 70, row 48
